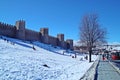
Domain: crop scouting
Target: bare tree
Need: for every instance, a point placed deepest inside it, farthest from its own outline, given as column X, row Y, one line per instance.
column 91, row 32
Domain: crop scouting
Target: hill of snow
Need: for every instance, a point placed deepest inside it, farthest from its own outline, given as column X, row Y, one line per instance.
column 18, row 61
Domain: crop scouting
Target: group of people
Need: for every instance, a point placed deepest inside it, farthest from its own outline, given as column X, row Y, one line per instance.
column 105, row 56
column 8, row 41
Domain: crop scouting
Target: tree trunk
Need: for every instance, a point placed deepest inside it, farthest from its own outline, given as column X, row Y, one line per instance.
column 90, row 52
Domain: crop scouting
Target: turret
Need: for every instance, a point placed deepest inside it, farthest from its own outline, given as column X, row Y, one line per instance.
column 20, row 28
column 44, row 31
column 60, row 37
column 69, row 44
column 20, row 25
column 44, row 35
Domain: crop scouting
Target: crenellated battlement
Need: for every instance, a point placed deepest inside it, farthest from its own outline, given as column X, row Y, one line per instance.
column 44, row 31
column 60, row 37
column 7, row 29
column 20, row 32
column 20, row 25
column 2, row 25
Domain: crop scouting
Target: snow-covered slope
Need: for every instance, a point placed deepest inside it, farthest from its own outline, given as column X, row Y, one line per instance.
column 18, row 61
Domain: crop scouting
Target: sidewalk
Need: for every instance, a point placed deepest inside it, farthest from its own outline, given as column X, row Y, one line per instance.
column 105, row 71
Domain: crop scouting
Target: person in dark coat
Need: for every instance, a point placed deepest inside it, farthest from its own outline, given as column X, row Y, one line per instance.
column 103, row 57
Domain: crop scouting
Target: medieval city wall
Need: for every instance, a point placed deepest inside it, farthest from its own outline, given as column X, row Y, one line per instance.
column 20, row 32
column 45, row 39
column 69, row 43
column 53, row 41
column 62, row 44
column 7, row 30
column 32, row 35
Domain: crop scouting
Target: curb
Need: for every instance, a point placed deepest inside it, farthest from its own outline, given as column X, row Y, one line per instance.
column 96, row 71
column 93, row 68
column 116, row 68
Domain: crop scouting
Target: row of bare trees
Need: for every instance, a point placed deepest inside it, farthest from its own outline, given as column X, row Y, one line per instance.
column 91, row 33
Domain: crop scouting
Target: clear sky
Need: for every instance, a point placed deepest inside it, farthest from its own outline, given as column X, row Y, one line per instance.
column 62, row 16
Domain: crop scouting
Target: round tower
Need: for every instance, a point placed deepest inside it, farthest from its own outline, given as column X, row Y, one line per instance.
column 20, row 29
column 44, row 35
column 69, row 44
column 60, row 37
column 44, row 31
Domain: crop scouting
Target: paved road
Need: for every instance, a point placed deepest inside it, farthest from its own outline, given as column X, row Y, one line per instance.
column 105, row 71
column 117, row 64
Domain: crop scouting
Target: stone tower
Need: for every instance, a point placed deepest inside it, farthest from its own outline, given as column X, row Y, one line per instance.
column 44, row 35
column 60, row 37
column 44, row 31
column 20, row 29
column 61, row 41
column 69, row 44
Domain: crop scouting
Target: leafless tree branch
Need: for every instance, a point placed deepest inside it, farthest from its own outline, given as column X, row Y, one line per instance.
column 91, row 32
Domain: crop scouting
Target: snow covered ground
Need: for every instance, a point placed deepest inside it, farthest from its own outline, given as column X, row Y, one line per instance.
column 18, row 61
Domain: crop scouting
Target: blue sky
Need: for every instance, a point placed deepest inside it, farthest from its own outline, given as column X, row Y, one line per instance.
column 62, row 16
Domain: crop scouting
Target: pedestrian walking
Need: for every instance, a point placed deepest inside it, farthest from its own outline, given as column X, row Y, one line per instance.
column 107, row 56
column 103, row 57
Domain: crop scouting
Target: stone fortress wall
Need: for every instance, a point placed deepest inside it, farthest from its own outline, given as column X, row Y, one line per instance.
column 20, row 32
column 7, row 30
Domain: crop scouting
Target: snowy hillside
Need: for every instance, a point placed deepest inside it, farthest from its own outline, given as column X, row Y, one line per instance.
column 18, row 61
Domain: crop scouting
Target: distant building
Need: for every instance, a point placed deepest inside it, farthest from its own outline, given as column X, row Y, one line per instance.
column 82, row 49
